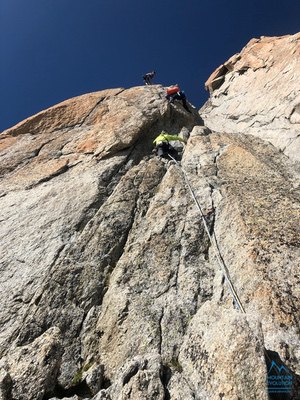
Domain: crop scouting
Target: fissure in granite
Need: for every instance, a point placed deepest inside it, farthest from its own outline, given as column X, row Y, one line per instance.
column 110, row 286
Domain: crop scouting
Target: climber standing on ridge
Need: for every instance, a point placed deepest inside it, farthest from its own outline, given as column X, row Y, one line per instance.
column 148, row 77
column 163, row 147
column 174, row 93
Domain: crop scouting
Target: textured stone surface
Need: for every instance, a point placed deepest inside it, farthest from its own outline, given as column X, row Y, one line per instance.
column 257, row 92
column 40, row 359
column 70, row 192
column 257, row 226
column 111, row 288
column 223, row 357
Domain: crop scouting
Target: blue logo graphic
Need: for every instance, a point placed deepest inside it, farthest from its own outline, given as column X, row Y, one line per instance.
column 279, row 379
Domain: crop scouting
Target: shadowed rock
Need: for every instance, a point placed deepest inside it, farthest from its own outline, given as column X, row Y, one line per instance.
column 110, row 286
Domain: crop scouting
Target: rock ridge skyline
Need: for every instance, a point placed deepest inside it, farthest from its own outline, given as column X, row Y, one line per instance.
column 110, row 285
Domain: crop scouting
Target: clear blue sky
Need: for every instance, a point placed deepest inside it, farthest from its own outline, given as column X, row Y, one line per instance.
column 51, row 50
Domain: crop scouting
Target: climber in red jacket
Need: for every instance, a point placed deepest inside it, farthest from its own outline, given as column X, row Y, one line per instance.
column 174, row 93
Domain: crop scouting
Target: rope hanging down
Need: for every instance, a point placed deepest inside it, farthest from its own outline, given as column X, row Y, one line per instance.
column 218, row 255
column 213, row 241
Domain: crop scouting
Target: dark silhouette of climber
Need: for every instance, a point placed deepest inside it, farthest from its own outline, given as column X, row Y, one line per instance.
column 148, row 77
column 174, row 93
column 163, row 147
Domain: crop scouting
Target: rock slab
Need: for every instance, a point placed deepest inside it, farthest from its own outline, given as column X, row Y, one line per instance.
column 110, row 285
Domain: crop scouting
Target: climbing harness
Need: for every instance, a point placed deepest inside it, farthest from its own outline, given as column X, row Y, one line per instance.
column 213, row 241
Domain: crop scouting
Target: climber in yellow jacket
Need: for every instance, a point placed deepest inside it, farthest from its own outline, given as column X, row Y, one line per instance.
column 162, row 145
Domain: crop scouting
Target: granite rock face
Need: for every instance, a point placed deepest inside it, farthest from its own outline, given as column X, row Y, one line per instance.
column 111, row 287
column 257, row 92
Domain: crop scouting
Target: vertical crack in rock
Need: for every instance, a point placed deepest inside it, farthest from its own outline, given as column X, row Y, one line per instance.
column 223, row 288
column 118, row 260
column 70, row 294
column 165, row 376
column 96, row 106
column 105, row 187
column 160, row 332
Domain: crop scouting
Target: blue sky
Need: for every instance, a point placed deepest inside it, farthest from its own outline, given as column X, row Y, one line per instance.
column 51, row 50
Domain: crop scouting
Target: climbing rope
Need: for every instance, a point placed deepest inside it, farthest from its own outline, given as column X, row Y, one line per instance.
column 212, row 240
column 215, row 247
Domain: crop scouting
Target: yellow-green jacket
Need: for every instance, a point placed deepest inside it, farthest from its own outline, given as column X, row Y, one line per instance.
column 165, row 137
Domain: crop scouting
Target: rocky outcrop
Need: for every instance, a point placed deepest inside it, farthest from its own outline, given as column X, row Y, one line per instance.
column 72, row 188
column 111, row 287
column 257, row 92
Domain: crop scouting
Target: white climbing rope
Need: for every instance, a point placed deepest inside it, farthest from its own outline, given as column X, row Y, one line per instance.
column 213, row 241
column 217, row 252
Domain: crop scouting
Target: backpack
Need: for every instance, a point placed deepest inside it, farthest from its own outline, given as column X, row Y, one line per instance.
column 173, row 89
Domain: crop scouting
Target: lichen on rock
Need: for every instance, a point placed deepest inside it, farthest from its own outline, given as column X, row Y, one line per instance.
column 110, row 285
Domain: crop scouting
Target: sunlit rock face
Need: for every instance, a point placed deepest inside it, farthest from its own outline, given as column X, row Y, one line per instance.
column 110, row 285
column 257, row 92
